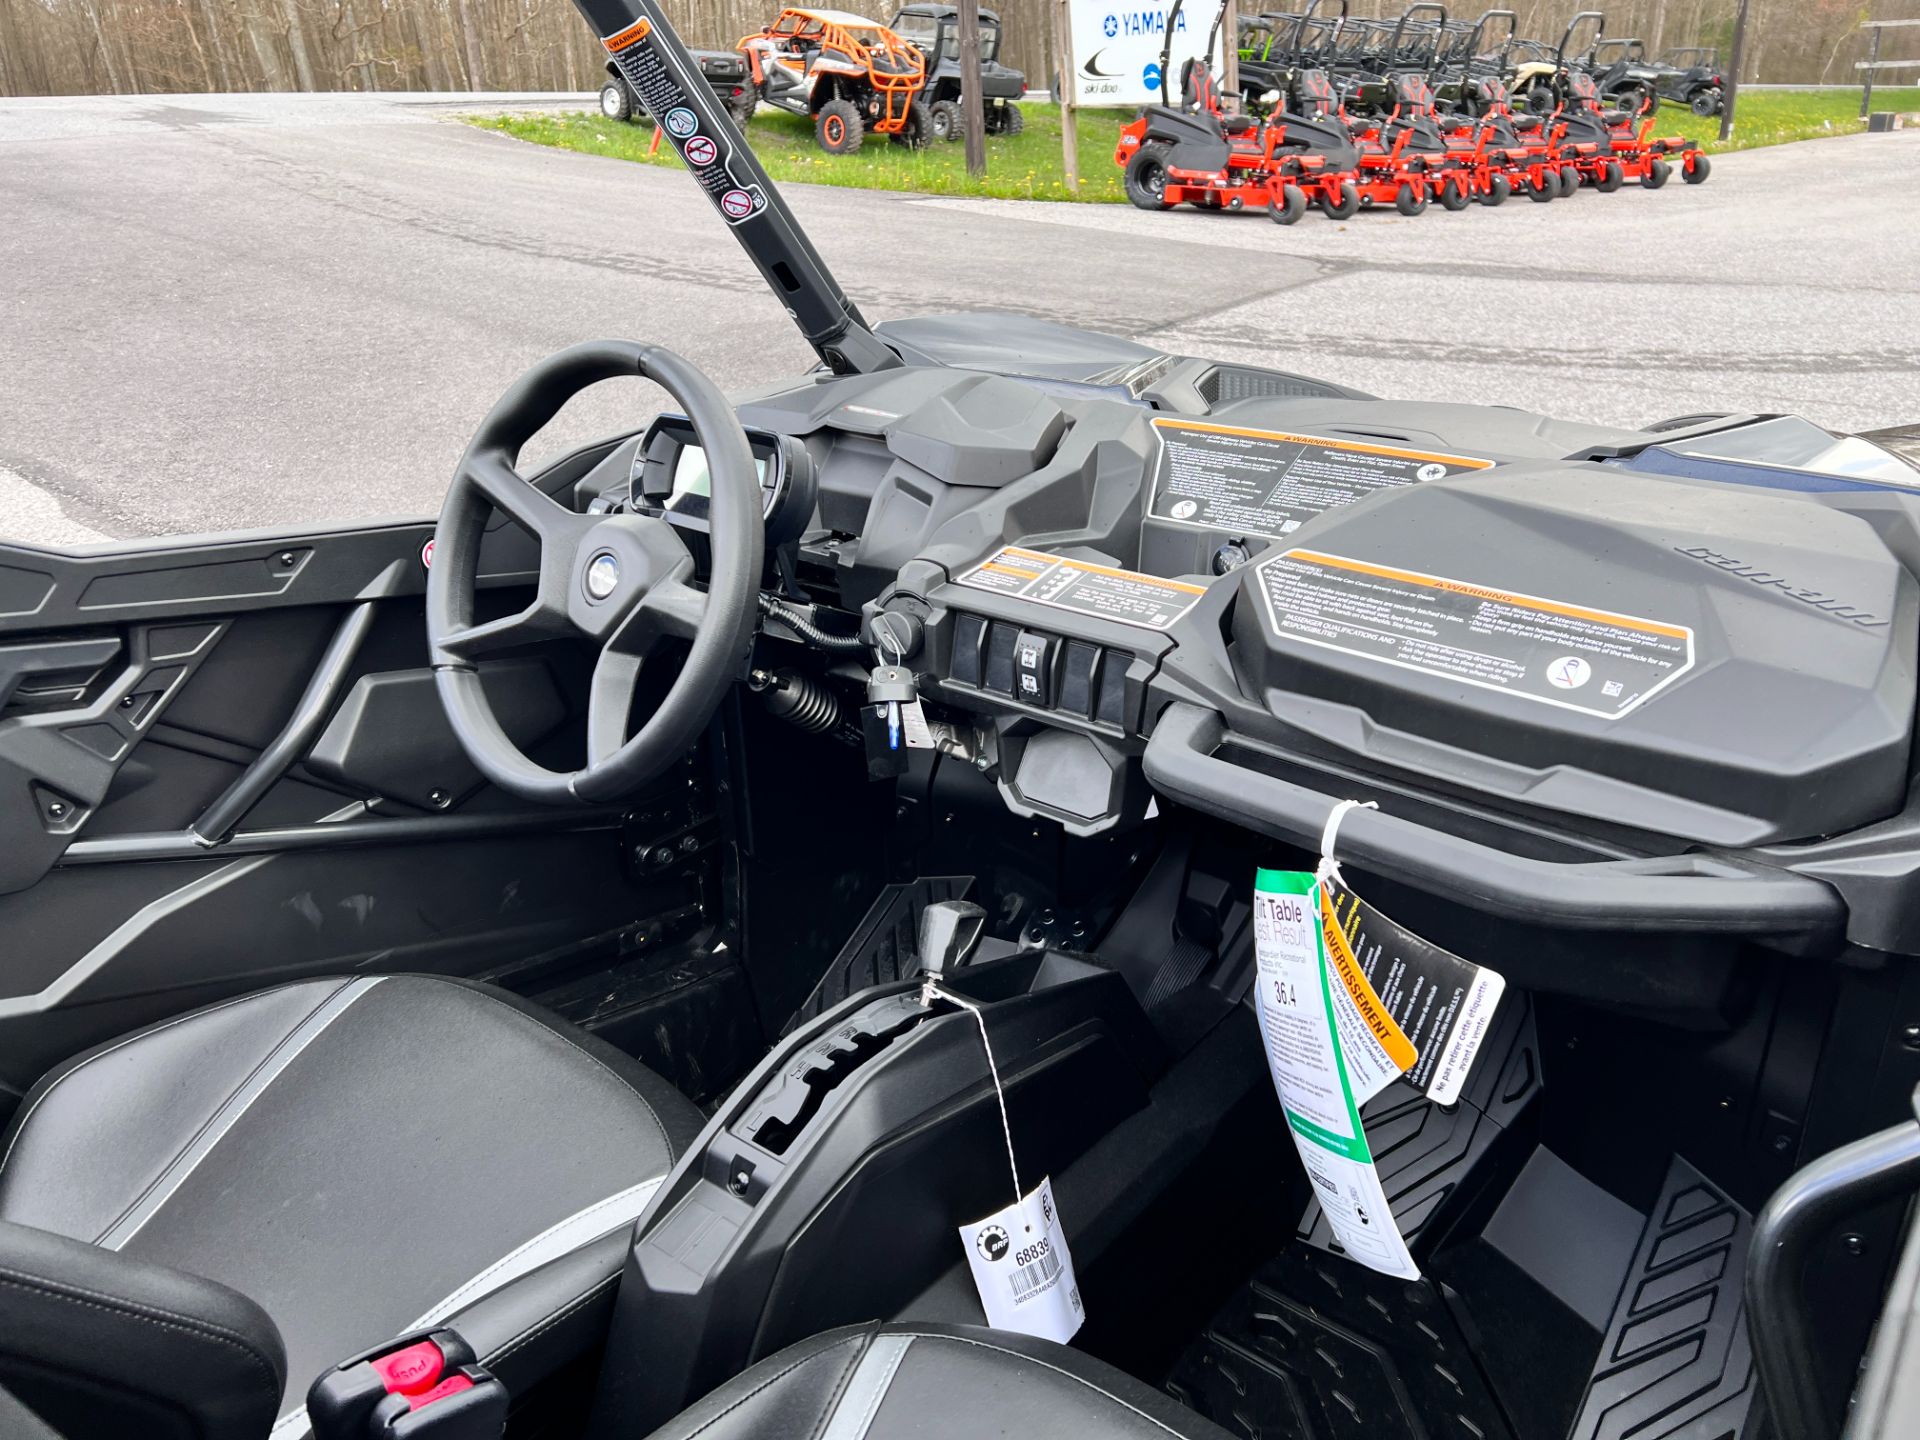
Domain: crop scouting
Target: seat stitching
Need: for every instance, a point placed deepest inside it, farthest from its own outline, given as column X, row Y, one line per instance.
column 113, row 1304
column 121, row 1043
column 825, row 1418
column 600, row 1064
column 218, row 1110
column 771, row 1380
column 1044, row 1365
column 528, row 1336
column 454, row 1301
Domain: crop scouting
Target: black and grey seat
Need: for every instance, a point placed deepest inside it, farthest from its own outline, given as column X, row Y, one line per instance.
column 197, row 1218
column 934, row 1382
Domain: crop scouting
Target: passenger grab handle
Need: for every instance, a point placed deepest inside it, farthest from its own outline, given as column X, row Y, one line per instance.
column 1688, row 893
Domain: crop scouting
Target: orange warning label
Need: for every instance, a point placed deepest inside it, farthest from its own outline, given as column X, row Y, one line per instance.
column 1373, row 1013
column 630, row 36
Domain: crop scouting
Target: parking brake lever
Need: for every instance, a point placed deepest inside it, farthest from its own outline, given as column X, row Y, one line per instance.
column 950, row 932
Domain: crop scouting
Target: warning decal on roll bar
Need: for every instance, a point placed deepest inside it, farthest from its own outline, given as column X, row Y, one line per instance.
column 1125, row 596
column 707, row 152
column 1594, row 661
column 1270, row 482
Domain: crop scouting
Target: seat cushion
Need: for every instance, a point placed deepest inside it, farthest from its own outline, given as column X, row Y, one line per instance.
column 359, row 1156
column 934, row 1382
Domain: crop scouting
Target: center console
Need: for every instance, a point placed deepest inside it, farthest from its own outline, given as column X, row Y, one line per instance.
column 829, row 1188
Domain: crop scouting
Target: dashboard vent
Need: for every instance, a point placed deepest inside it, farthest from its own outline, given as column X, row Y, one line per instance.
column 1226, row 383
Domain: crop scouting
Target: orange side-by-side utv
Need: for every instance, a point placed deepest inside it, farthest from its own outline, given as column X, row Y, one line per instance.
column 849, row 73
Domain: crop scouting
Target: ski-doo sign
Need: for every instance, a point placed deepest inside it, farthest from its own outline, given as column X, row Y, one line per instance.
column 1116, row 50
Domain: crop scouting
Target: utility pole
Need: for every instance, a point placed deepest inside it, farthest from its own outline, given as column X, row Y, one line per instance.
column 973, row 110
column 1230, row 57
column 1069, row 119
column 1733, row 72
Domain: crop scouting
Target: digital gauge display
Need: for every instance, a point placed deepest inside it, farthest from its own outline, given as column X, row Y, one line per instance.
column 671, row 477
column 691, row 477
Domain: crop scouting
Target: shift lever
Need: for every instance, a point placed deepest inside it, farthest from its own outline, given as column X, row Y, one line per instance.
column 949, row 933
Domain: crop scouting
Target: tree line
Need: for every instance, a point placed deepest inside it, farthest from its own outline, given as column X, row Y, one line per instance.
column 59, row 47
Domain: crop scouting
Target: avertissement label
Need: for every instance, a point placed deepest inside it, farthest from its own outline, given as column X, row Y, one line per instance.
column 1125, row 596
column 1269, row 482
column 1595, row 661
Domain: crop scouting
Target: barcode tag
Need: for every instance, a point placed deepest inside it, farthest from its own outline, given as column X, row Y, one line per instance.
column 913, row 722
column 1022, row 1269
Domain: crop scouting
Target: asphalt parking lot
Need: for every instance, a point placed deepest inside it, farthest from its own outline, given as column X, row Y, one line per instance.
column 232, row 312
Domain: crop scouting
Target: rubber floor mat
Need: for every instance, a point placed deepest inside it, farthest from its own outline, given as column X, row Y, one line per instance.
column 1315, row 1347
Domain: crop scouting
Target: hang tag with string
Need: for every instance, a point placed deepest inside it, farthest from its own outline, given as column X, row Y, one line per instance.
column 1333, row 1042
column 1018, row 1255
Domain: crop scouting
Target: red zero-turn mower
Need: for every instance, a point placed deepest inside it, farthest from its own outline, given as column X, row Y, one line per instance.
column 1404, row 159
column 1604, row 147
column 1199, row 154
column 1516, row 147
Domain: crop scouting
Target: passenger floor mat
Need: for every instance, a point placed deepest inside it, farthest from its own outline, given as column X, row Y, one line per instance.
column 1315, row 1347
column 1426, row 1152
column 1675, row 1361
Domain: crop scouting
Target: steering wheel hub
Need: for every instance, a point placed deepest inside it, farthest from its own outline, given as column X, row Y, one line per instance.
column 603, row 575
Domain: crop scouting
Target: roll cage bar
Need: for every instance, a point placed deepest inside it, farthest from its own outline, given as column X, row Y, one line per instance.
column 665, row 80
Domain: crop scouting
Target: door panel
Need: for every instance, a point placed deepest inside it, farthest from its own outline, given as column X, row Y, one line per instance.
column 222, row 765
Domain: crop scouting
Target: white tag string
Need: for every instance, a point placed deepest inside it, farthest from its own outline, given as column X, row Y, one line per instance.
column 1329, row 868
column 927, row 991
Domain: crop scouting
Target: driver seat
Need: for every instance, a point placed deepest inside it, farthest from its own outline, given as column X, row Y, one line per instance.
column 198, row 1218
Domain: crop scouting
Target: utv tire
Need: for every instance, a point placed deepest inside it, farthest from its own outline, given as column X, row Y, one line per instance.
column 1289, row 207
column 1657, row 173
column 742, row 106
column 1408, row 200
column 1346, row 207
column 1012, row 122
column 1697, row 172
column 1498, row 189
column 838, row 128
column 917, row 132
column 1610, row 178
column 1146, row 177
column 944, row 117
column 1546, row 188
column 615, row 102
column 1454, row 195
column 1705, row 103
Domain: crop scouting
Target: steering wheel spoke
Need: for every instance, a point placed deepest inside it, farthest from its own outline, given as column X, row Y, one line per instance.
column 522, row 501
column 539, row 621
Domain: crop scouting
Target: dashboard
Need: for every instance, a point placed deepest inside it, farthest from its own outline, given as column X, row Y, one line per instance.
column 1128, row 574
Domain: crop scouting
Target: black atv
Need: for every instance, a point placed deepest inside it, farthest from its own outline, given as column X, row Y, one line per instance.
column 1625, row 79
column 1691, row 77
column 934, row 30
column 725, row 71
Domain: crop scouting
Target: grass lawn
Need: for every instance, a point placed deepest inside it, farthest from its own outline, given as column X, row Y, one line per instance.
column 1028, row 166
column 1020, row 167
column 1773, row 117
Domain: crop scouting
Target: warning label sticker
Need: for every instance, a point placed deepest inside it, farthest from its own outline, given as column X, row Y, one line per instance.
column 1269, row 482
column 707, row 153
column 1594, row 661
column 1424, row 1009
column 1125, row 596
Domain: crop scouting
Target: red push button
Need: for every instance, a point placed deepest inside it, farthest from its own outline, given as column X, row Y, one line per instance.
column 452, row 1385
column 412, row 1370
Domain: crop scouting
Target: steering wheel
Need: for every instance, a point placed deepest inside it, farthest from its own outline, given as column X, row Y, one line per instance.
column 621, row 581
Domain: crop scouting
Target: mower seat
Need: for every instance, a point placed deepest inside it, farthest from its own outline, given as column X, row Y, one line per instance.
column 200, row 1217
